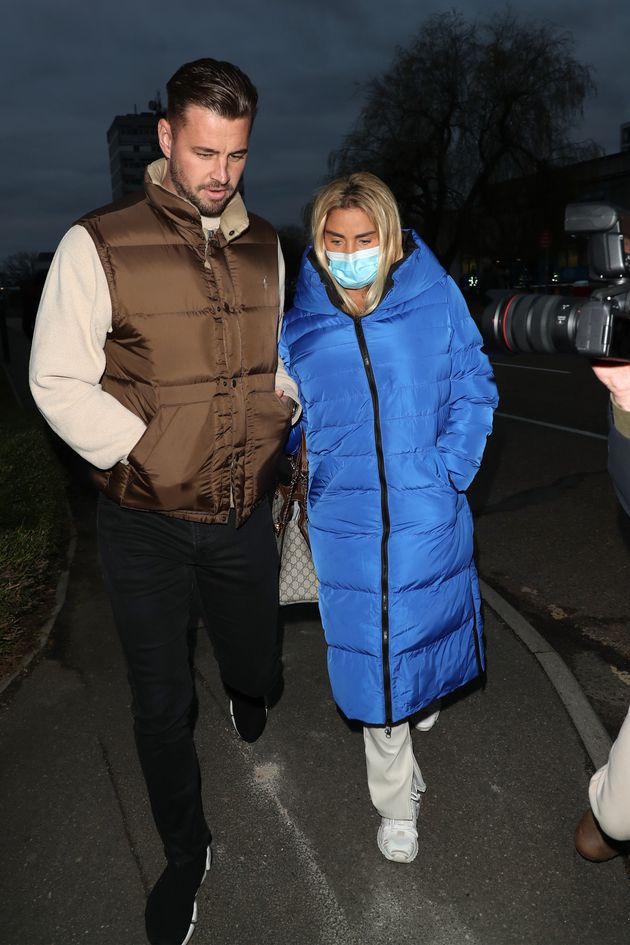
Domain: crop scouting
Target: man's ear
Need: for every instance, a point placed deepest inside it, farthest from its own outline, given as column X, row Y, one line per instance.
column 165, row 137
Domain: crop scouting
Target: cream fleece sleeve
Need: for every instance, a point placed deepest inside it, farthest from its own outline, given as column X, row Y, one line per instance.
column 67, row 357
column 283, row 381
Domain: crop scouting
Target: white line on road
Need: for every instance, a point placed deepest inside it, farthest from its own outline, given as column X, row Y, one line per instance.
column 528, row 367
column 335, row 927
column 552, row 426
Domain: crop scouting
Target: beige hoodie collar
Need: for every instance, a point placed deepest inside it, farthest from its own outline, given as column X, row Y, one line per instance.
column 234, row 219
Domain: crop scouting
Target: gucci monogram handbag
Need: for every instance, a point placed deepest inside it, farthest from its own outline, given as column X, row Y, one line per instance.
column 298, row 581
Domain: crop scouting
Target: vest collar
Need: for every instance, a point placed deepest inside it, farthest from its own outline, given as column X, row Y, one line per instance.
column 233, row 222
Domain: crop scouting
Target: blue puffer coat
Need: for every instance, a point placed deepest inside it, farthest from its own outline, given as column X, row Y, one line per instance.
column 397, row 406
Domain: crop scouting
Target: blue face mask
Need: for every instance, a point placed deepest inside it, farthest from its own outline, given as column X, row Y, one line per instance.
column 354, row 270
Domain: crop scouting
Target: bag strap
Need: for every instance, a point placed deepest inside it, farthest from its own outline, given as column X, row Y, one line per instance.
column 303, row 455
column 302, row 492
column 296, row 492
column 287, row 504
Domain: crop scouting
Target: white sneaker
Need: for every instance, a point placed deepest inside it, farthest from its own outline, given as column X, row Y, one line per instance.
column 426, row 722
column 398, row 839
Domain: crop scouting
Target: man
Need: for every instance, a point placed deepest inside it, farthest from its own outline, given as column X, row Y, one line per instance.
column 155, row 358
column 604, row 829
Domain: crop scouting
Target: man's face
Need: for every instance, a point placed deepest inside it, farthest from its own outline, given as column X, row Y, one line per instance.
column 206, row 157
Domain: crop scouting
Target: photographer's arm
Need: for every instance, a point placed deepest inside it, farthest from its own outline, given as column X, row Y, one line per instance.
column 609, row 789
column 616, row 378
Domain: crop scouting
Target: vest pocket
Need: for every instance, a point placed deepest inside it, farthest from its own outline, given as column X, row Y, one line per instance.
column 166, row 461
column 151, row 436
column 269, row 409
column 269, row 422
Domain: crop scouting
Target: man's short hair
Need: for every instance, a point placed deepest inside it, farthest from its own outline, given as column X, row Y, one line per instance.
column 213, row 84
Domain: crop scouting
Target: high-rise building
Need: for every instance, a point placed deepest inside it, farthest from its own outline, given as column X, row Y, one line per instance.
column 133, row 143
column 625, row 137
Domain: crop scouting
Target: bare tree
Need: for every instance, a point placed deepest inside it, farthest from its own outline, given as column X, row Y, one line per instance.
column 465, row 105
column 293, row 240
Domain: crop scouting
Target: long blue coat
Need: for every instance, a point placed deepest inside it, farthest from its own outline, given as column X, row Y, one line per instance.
column 397, row 406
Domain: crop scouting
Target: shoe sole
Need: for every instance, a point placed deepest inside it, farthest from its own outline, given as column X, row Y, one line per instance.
column 193, row 921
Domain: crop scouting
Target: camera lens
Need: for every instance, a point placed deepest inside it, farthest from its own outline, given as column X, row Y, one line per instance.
column 545, row 324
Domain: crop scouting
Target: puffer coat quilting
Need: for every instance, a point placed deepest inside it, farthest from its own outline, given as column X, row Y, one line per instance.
column 397, row 407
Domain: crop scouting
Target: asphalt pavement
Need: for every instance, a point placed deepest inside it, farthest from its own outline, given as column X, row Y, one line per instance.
column 294, row 833
column 550, row 534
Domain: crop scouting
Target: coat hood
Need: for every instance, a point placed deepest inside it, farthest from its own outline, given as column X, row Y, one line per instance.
column 416, row 272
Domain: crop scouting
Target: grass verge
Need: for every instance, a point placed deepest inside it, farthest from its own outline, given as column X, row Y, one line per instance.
column 34, row 528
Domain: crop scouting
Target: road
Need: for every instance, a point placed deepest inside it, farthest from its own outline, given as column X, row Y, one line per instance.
column 295, row 860
column 550, row 535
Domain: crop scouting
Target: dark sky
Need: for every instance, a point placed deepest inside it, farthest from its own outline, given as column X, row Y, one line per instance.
column 69, row 67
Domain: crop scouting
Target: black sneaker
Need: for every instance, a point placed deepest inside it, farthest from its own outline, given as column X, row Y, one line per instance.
column 171, row 912
column 249, row 715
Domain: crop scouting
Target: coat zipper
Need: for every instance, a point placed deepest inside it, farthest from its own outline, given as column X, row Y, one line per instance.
column 367, row 364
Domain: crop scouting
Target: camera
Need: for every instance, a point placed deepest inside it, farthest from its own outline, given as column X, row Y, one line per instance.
column 597, row 326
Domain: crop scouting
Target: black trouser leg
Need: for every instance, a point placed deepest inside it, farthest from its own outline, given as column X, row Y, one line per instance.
column 237, row 579
column 150, row 563
column 147, row 562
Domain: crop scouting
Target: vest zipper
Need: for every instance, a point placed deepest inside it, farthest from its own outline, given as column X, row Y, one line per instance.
column 367, row 364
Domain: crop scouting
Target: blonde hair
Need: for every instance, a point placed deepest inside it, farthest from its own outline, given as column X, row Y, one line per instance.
column 365, row 192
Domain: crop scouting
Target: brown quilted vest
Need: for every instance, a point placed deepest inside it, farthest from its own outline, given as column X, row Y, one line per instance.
column 193, row 353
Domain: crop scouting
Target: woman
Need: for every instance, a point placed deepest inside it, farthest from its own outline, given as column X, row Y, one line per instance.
column 398, row 401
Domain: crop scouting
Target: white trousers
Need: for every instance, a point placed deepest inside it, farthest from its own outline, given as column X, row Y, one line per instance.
column 392, row 770
column 609, row 790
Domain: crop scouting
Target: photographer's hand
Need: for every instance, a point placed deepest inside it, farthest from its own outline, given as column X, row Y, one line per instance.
column 616, row 377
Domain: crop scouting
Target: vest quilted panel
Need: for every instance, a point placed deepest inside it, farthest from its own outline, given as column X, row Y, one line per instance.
column 193, row 353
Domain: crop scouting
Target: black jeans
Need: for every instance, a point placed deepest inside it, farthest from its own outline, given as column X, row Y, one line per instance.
column 155, row 568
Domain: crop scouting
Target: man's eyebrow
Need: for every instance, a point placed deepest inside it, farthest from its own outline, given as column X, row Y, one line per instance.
column 201, row 150
column 357, row 236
